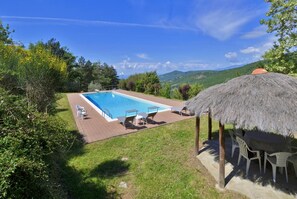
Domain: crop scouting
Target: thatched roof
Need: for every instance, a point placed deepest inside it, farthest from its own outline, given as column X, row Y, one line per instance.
column 265, row 101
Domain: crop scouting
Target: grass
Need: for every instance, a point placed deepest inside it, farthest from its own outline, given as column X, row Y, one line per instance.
column 155, row 163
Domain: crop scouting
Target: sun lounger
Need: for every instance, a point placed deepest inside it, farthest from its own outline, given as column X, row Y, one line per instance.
column 152, row 111
column 128, row 118
column 178, row 109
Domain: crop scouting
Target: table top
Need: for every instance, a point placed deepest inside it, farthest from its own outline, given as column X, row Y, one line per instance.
column 266, row 141
column 141, row 115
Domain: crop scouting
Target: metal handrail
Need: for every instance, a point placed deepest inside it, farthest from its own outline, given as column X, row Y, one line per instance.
column 105, row 111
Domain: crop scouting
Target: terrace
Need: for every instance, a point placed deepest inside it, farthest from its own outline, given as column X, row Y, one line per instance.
column 95, row 127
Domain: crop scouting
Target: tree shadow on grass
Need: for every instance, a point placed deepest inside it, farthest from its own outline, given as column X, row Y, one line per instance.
column 110, row 169
column 79, row 186
column 85, row 184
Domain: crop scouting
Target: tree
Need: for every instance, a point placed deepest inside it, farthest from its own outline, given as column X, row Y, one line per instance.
column 10, row 57
column 61, row 52
column 5, row 34
column 184, row 91
column 194, row 90
column 122, row 84
column 42, row 74
column 165, row 90
column 105, row 76
column 281, row 19
column 30, row 143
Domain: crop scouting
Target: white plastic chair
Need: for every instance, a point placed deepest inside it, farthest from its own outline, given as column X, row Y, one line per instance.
column 81, row 111
column 243, row 151
column 234, row 142
column 293, row 159
column 278, row 159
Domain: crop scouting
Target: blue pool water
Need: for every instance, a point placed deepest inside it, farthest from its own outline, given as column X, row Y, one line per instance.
column 115, row 105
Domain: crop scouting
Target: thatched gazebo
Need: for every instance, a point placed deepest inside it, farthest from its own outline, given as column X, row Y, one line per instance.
column 265, row 101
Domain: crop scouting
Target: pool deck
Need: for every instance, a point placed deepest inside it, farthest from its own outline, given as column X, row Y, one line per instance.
column 95, row 127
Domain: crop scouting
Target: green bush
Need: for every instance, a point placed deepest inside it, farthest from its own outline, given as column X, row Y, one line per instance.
column 93, row 86
column 165, row 90
column 195, row 89
column 176, row 94
column 30, row 143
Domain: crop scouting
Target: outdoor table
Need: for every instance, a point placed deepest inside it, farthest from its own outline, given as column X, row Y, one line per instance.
column 141, row 116
column 265, row 141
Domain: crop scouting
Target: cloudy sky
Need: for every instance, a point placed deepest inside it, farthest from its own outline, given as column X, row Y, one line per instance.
column 145, row 35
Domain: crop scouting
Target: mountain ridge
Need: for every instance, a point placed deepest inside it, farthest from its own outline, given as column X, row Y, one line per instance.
column 208, row 77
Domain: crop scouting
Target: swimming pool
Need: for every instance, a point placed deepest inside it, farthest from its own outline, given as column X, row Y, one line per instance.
column 113, row 104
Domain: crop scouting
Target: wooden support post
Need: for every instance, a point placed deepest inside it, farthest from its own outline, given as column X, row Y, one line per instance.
column 222, row 156
column 209, row 124
column 197, row 135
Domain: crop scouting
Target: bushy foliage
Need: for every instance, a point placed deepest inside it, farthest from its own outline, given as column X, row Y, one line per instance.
column 94, row 87
column 35, row 72
column 42, row 74
column 165, row 90
column 123, row 84
column 184, row 91
column 281, row 19
column 131, row 86
column 5, row 34
column 105, row 75
column 175, row 94
column 144, row 82
column 195, row 89
column 29, row 141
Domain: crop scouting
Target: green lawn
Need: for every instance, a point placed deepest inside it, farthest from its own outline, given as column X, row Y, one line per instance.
column 158, row 163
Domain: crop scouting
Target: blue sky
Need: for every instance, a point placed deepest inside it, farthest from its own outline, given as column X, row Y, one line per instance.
column 145, row 35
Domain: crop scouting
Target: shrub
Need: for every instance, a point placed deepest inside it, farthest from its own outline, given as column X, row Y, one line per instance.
column 165, row 90
column 29, row 144
column 131, row 86
column 194, row 90
column 123, row 84
column 93, row 86
column 184, row 91
column 176, row 94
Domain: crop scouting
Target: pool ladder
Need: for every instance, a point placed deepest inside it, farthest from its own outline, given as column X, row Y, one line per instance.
column 105, row 111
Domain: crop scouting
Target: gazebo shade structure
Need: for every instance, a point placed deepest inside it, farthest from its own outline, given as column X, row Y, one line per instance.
column 266, row 101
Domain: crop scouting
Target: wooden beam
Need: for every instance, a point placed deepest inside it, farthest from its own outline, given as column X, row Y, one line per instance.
column 222, row 156
column 209, row 124
column 197, row 130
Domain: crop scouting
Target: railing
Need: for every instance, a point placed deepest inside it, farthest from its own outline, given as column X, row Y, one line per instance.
column 111, row 87
column 105, row 111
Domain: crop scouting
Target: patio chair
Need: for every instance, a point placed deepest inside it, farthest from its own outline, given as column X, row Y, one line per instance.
column 178, row 109
column 233, row 141
column 81, row 111
column 152, row 111
column 129, row 117
column 244, row 152
column 278, row 159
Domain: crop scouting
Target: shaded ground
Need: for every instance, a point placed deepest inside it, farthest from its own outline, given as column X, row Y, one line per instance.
column 256, row 184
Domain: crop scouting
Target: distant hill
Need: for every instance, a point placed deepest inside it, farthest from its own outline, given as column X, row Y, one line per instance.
column 208, row 77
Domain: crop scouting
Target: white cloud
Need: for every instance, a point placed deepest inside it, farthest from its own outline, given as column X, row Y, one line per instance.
column 82, row 22
column 224, row 19
column 256, row 32
column 231, row 57
column 220, row 25
column 130, row 67
column 250, row 50
column 142, row 56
